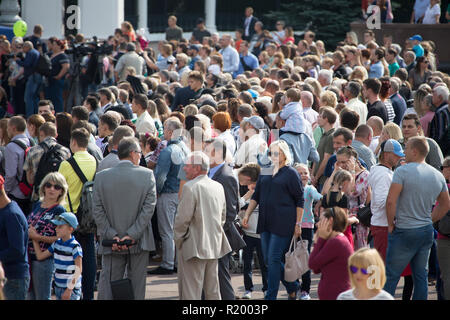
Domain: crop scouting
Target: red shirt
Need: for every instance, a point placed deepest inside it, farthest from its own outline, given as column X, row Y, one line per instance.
column 329, row 257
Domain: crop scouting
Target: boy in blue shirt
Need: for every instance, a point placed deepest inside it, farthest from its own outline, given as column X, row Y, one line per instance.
column 67, row 255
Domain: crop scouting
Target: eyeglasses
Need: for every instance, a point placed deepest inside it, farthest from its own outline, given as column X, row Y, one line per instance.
column 354, row 270
column 138, row 151
column 57, row 187
column 3, row 281
column 275, row 153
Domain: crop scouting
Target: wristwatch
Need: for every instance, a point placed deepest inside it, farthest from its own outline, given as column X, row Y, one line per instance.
column 299, row 224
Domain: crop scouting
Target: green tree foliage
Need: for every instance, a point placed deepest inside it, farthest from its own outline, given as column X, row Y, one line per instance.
column 330, row 20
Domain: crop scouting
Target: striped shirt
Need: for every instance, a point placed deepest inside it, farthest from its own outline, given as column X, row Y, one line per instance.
column 390, row 110
column 64, row 254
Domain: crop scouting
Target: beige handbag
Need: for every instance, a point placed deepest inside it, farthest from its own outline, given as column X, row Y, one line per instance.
column 296, row 260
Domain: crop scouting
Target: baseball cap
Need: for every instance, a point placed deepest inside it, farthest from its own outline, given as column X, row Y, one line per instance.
column 417, row 37
column 66, row 218
column 256, row 121
column 393, row 146
column 253, row 93
column 200, row 20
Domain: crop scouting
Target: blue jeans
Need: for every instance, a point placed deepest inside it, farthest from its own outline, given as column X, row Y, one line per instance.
column 32, row 94
column 252, row 244
column 54, row 92
column 89, row 264
column 76, row 293
column 274, row 248
column 409, row 246
column 41, row 279
column 16, row 289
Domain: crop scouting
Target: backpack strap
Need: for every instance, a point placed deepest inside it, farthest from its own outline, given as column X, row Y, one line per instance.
column 20, row 144
column 77, row 170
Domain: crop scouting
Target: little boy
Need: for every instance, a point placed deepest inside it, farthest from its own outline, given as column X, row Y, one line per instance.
column 68, row 255
column 248, row 176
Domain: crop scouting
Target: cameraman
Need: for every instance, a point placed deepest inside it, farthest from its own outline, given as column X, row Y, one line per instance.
column 33, row 79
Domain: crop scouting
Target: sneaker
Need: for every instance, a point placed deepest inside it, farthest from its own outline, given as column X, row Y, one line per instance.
column 247, row 295
column 305, row 296
column 294, row 297
column 160, row 270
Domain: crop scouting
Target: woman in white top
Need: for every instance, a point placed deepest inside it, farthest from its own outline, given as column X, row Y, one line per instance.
column 222, row 126
column 367, row 276
column 433, row 13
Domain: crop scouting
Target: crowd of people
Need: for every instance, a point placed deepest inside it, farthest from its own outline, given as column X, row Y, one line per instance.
column 213, row 145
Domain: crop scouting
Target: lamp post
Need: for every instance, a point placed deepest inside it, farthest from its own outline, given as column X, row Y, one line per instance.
column 9, row 12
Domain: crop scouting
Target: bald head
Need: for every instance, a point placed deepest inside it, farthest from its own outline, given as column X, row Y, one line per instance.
column 377, row 124
column 307, row 99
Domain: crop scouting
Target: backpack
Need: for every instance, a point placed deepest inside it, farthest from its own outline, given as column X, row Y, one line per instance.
column 444, row 143
column 85, row 212
column 50, row 161
column 24, row 186
column 43, row 65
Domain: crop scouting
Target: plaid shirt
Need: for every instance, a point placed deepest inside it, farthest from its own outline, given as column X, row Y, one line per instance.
column 35, row 155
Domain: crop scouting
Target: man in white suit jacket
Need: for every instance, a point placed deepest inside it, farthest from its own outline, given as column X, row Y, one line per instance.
column 198, row 232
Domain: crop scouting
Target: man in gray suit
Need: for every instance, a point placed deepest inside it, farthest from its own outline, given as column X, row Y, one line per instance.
column 198, row 231
column 124, row 202
column 221, row 172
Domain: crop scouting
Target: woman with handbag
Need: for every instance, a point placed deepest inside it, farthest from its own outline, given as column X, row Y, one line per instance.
column 52, row 192
column 330, row 254
column 280, row 199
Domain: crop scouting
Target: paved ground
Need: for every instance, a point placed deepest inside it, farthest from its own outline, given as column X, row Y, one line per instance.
column 165, row 287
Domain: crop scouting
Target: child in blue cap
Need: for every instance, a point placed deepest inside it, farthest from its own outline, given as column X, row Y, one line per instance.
column 67, row 255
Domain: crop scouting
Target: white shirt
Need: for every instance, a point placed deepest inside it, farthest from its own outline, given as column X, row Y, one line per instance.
column 358, row 106
column 374, row 144
column 229, row 141
column 348, row 295
column 145, row 123
column 214, row 69
column 380, row 179
column 430, row 14
column 311, row 115
column 248, row 151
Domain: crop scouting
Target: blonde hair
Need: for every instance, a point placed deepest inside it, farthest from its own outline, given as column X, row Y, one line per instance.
column 190, row 110
column 393, row 130
column 317, row 88
column 283, row 146
column 56, row 178
column 359, row 73
column 328, row 98
column 368, row 258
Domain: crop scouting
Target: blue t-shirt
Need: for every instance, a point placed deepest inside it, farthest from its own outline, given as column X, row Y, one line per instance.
column 65, row 254
column 310, row 194
column 57, row 63
column 421, row 184
column 376, row 70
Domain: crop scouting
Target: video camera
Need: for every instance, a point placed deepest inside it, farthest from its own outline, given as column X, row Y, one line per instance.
column 93, row 47
column 19, row 55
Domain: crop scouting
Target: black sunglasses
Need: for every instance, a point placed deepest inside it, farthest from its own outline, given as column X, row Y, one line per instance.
column 57, row 187
column 275, row 153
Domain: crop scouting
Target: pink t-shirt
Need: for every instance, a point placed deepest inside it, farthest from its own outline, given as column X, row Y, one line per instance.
column 425, row 121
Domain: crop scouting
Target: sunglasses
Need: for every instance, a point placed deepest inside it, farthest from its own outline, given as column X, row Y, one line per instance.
column 275, row 153
column 57, row 187
column 354, row 270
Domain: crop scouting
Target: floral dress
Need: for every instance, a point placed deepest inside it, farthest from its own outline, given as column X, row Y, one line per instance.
column 357, row 199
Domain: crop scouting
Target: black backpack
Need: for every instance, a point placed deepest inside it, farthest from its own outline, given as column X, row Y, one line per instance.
column 43, row 65
column 50, row 161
